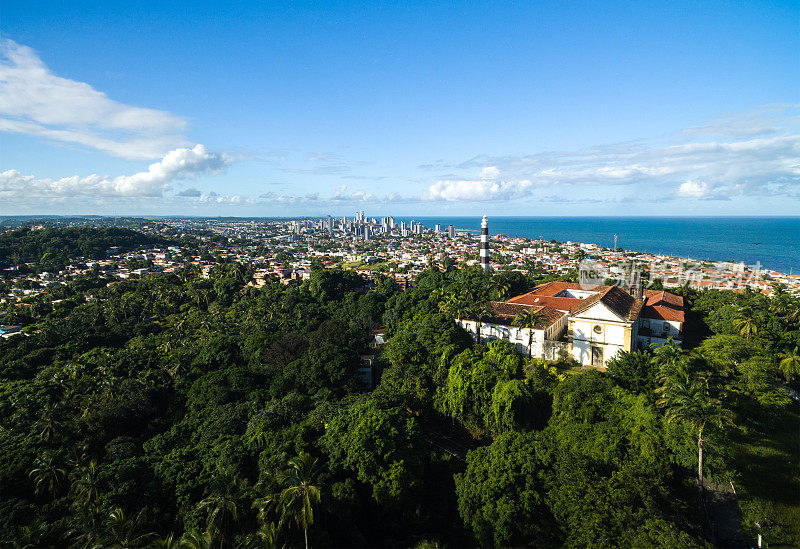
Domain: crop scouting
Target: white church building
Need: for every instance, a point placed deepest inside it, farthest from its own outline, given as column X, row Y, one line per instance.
column 589, row 323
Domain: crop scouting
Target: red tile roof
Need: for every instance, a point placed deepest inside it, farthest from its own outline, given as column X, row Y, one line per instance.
column 619, row 301
column 661, row 305
column 503, row 313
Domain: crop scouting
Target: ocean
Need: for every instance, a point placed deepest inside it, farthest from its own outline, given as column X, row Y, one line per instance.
column 774, row 242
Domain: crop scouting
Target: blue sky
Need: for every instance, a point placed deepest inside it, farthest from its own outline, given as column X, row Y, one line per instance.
column 210, row 108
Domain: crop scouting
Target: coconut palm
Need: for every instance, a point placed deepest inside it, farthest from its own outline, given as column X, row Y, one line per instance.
column 221, row 504
column 266, row 537
column 527, row 320
column 77, row 457
column 167, row 542
column 122, row 532
column 47, row 424
column 47, row 476
column 454, row 306
column 197, row 540
column 690, row 403
column 746, row 322
column 790, row 363
column 670, row 362
column 793, row 313
column 478, row 311
column 301, row 494
column 88, row 483
column 268, row 505
column 500, row 288
column 32, row 536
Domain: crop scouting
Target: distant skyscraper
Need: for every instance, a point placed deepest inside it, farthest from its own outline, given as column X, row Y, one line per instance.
column 485, row 243
column 438, row 228
column 451, row 231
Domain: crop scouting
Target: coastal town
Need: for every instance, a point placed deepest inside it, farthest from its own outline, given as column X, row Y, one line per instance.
column 285, row 249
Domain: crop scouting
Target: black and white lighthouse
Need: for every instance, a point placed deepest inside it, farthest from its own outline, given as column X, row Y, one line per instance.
column 485, row 243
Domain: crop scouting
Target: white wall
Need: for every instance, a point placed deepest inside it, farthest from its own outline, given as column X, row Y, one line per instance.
column 659, row 335
column 517, row 336
column 611, row 337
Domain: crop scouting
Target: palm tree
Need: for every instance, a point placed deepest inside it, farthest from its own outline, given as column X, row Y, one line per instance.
column 670, row 362
column 479, row 311
column 299, row 497
column 501, row 288
column 266, row 537
column 793, row 313
column 746, row 322
column 77, row 457
column 88, row 483
column 528, row 319
column 689, row 402
column 32, row 536
column 47, row 424
column 268, row 504
column 222, row 504
column 790, row 363
column 168, row 542
column 197, row 540
column 454, row 306
column 47, row 476
column 121, row 532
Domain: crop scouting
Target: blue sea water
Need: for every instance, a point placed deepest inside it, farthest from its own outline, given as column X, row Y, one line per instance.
column 774, row 242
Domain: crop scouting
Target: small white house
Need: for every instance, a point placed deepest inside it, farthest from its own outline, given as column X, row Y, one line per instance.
column 499, row 324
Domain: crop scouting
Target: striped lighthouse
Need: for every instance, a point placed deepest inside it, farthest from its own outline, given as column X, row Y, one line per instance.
column 485, row 243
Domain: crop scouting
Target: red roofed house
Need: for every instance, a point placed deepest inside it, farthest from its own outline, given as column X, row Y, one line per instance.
column 499, row 324
column 662, row 317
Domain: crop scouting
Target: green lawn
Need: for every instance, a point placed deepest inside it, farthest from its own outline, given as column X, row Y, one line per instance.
column 768, row 458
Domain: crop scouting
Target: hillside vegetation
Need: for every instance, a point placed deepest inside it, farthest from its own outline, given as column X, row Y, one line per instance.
column 202, row 409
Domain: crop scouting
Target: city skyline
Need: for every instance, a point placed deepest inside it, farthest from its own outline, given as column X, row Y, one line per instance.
column 426, row 110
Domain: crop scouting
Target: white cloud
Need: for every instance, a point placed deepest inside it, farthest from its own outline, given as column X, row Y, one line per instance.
column 177, row 164
column 694, row 189
column 476, row 190
column 489, row 172
column 763, row 121
column 34, row 101
column 757, row 154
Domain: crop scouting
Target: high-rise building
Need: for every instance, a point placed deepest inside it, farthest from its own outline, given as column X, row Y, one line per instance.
column 438, row 228
column 451, row 231
column 485, row 243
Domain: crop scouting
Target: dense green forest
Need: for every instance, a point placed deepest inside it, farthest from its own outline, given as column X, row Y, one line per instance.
column 51, row 247
column 177, row 409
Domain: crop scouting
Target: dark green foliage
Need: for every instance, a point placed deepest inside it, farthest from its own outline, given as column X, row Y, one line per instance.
column 502, row 494
column 634, row 371
column 380, row 445
column 50, row 248
column 170, row 404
